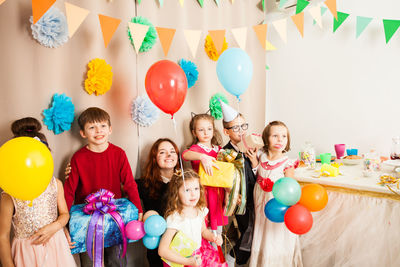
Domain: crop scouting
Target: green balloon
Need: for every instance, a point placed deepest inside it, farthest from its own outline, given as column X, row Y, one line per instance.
column 287, row 191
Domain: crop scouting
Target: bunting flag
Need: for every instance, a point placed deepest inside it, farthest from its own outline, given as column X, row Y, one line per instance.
column 331, row 4
column 75, row 16
column 161, row 2
column 232, row 1
column 181, row 2
column 217, row 2
column 138, row 32
column 315, row 13
column 39, row 7
column 165, row 35
column 323, row 10
column 266, row 67
column 341, row 18
column 263, row 4
column 261, row 32
column 138, row 1
column 282, row 3
column 192, row 39
column 362, row 23
column 269, row 46
column 280, row 27
column 218, row 37
column 298, row 20
column 108, row 27
column 2, row 1
column 390, row 27
column 301, row 5
column 201, row 2
column 240, row 35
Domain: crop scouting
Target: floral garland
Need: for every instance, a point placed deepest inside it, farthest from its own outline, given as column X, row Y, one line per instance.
column 99, row 77
column 215, row 105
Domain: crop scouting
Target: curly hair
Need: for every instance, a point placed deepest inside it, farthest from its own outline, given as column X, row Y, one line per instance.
column 174, row 204
column 267, row 132
column 216, row 139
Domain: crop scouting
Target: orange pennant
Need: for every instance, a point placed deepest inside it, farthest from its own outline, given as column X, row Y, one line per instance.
column 261, row 32
column 298, row 20
column 2, row 1
column 331, row 4
column 166, row 35
column 108, row 27
column 218, row 37
column 39, row 7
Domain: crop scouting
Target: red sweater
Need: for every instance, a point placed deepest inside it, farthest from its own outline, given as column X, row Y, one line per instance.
column 91, row 171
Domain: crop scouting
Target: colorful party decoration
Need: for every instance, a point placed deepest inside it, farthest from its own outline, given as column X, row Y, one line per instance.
column 51, row 30
column 362, row 23
column 282, row 3
column 138, row 34
column 341, row 17
column 331, row 4
column 280, row 27
column 275, row 211
column 144, row 112
column 201, row 2
column 165, row 35
column 192, row 38
column 287, row 191
column 2, row 1
column 99, row 77
column 261, row 32
column 314, row 197
column 316, row 14
column 39, row 8
column 390, row 27
column 151, row 242
column 108, row 27
column 26, row 167
column 190, row 69
column 210, row 49
column 60, row 116
column 218, row 37
column 298, row 20
column 151, row 35
column 240, row 36
column 269, row 46
column 298, row 219
column 301, row 5
column 155, row 225
column 135, row 230
column 75, row 16
column 215, row 105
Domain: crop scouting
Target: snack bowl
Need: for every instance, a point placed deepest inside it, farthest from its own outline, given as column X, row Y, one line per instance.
column 352, row 161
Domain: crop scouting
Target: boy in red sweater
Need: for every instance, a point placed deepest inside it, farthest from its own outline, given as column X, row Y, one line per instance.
column 97, row 165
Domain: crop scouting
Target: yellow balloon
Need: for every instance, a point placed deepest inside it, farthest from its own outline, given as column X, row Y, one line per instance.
column 26, row 167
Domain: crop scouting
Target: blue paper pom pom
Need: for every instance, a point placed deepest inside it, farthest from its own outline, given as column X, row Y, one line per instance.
column 191, row 72
column 144, row 112
column 51, row 30
column 59, row 117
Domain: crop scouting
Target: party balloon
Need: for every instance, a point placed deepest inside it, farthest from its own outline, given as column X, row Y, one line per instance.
column 313, row 197
column 275, row 211
column 135, row 230
column 148, row 214
column 26, row 167
column 287, row 191
column 235, row 70
column 298, row 219
column 166, row 85
column 151, row 242
column 155, row 225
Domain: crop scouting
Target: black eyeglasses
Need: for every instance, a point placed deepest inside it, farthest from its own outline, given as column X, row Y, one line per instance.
column 236, row 128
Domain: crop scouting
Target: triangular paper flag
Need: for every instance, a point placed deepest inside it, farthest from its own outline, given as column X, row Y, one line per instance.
column 218, row 37
column 362, row 23
column 200, row 2
column 165, row 35
column 240, row 36
column 280, row 27
column 315, row 13
column 138, row 32
column 138, row 1
column 331, row 4
column 299, row 22
column 217, row 2
column 323, row 10
column 261, row 32
column 2, row 1
column 301, row 5
column 39, row 7
column 341, row 18
column 263, row 4
column 181, row 2
column 161, row 2
column 192, row 38
column 232, row 1
column 282, row 3
column 269, row 46
column 75, row 16
column 390, row 27
column 108, row 27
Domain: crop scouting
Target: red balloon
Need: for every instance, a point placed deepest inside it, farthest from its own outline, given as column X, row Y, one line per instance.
column 166, row 85
column 298, row 219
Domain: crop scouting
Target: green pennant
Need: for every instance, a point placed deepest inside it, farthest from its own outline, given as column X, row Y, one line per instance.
column 217, row 2
column 323, row 10
column 341, row 18
column 391, row 27
column 138, row 1
column 282, row 3
column 301, row 5
column 362, row 23
column 266, row 67
column 263, row 4
column 201, row 2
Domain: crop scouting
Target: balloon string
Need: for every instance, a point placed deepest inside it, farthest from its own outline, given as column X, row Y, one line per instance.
column 180, row 158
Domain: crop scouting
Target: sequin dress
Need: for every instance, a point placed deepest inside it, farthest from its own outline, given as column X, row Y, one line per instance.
column 27, row 220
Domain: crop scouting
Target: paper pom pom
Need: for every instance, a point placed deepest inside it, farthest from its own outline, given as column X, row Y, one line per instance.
column 144, row 112
column 99, row 77
column 215, row 105
column 60, row 116
column 151, row 35
column 210, row 48
column 191, row 72
column 52, row 29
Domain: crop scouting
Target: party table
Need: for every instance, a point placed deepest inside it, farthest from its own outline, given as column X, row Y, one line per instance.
column 360, row 226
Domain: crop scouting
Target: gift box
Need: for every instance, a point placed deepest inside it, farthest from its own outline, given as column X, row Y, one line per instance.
column 250, row 142
column 222, row 177
column 79, row 222
column 182, row 245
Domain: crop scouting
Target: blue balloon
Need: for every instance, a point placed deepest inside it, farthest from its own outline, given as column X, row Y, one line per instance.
column 234, row 70
column 275, row 211
column 151, row 242
column 287, row 191
column 155, row 225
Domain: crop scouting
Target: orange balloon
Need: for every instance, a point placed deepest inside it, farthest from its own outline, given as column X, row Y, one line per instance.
column 313, row 197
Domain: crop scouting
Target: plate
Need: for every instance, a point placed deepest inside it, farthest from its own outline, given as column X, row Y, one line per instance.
column 394, row 163
column 352, row 161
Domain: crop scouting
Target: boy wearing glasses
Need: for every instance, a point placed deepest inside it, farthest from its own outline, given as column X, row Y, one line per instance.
column 235, row 126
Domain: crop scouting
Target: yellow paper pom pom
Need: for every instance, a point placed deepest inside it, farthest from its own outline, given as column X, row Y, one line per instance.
column 210, row 48
column 99, row 77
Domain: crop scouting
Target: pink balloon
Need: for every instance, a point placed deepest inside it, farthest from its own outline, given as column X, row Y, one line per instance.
column 135, row 230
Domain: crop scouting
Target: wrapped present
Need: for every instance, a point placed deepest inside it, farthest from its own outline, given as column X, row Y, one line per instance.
column 250, row 141
column 100, row 223
column 182, row 245
column 222, row 177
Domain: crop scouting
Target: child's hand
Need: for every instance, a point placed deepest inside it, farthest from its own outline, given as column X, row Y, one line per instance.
column 67, row 170
column 217, row 239
column 44, row 234
column 252, row 155
column 208, row 163
column 195, row 260
column 71, row 244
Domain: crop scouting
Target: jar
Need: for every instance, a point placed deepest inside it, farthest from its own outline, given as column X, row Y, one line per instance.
column 307, row 155
column 395, row 150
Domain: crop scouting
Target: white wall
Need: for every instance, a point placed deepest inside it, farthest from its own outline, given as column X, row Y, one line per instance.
column 332, row 88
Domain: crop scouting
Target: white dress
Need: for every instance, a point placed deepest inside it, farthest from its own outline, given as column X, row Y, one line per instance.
column 273, row 244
